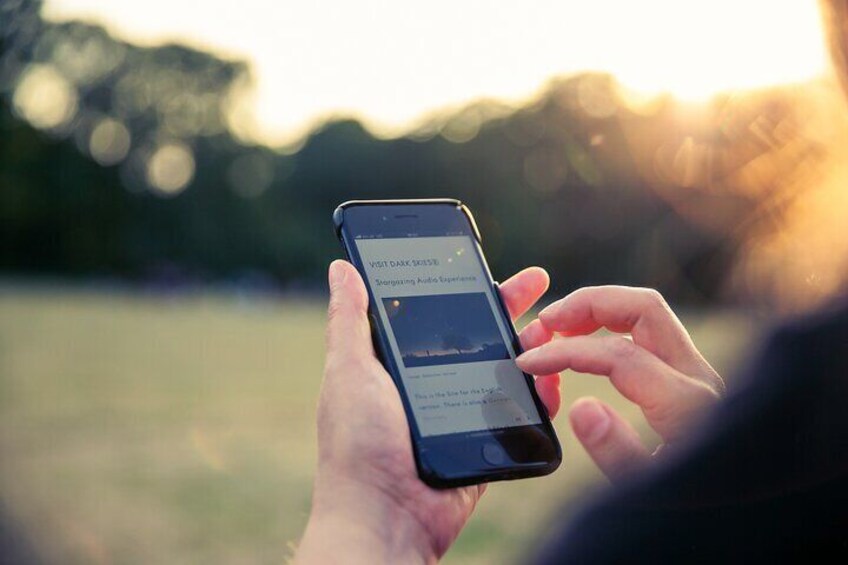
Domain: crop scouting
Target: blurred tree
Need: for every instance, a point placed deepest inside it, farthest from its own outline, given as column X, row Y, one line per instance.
column 117, row 161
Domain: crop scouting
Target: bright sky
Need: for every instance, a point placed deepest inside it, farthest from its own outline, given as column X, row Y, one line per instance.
column 392, row 62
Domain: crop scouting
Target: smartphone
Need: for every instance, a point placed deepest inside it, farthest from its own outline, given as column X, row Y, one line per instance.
column 442, row 331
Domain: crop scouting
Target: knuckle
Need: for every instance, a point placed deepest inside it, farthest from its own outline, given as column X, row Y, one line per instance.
column 352, row 366
column 334, row 309
column 709, row 377
column 582, row 293
column 623, row 348
column 674, row 419
column 716, row 384
column 332, row 366
column 654, row 299
column 664, row 418
column 707, row 396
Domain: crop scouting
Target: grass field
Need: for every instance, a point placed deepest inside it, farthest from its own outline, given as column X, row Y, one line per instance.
column 139, row 429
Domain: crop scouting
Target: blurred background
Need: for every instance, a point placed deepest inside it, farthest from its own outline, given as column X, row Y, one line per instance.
column 167, row 175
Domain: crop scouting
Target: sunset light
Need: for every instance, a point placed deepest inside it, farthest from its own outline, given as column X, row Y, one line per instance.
column 206, row 204
column 394, row 64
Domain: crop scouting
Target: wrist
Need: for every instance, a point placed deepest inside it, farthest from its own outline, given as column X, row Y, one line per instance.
column 355, row 522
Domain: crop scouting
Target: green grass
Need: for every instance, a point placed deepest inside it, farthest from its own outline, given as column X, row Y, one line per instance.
column 149, row 430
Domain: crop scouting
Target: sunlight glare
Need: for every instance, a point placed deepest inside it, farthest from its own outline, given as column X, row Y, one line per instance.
column 392, row 64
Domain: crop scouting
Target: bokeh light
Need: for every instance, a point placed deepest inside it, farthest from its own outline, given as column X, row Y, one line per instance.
column 109, row 142
column 463, row 127
column 170, row 168
column 595, row 97
column 45, row 98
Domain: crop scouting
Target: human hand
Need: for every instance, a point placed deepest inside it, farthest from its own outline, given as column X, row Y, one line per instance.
column 368, row 503
column 659, row 369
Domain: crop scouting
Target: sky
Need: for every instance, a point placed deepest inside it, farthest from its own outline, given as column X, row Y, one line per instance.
column 393, row 63
column 420, row 323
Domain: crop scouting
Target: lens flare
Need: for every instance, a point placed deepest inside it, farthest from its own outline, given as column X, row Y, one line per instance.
column 109, row 142
column 45, row 98
column 170, row 169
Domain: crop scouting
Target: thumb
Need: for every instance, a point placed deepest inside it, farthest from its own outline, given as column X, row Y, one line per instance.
column 348, row 333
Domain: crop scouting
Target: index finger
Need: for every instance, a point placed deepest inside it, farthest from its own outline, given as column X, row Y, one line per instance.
column 641, row 312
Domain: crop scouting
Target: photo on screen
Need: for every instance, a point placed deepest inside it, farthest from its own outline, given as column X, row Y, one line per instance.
column 444, row 329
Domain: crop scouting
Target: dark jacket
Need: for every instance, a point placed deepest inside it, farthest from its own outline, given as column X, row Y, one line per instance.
column 767, row 481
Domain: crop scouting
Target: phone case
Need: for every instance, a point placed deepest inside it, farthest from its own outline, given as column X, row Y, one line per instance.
column 428, row 475
column 338, row 214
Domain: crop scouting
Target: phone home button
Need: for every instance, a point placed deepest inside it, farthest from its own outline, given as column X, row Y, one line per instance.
column 493, row 454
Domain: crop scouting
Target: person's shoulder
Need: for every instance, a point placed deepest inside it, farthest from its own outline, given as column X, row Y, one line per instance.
column 766, row 476
column 806, row 355
column 824, row 329
column 833, row 315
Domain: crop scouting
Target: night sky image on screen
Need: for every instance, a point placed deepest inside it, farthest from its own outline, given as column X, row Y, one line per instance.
column 443, row 329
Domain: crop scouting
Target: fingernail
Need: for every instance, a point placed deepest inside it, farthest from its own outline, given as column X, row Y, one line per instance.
column 337, row 274
column 526, row 356
column 593, row 423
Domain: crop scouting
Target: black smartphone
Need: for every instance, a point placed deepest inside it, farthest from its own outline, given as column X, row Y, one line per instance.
column 442, row 331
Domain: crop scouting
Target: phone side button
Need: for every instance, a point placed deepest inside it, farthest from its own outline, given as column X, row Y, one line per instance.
column 493, row 454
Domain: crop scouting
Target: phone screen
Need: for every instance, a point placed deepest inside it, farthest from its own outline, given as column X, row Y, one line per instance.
column 452, row 348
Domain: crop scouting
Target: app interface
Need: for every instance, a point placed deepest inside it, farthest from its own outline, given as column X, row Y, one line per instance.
column 454, row 354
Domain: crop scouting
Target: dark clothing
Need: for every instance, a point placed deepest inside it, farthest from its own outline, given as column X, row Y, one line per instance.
column 15, row 547
column 767, row 481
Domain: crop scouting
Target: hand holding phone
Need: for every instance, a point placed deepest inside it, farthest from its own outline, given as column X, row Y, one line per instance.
column 443, row 333
column 366, row 486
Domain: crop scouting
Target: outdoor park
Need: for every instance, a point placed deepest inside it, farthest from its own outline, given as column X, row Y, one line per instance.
column 163, row 261
column 141, row 429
